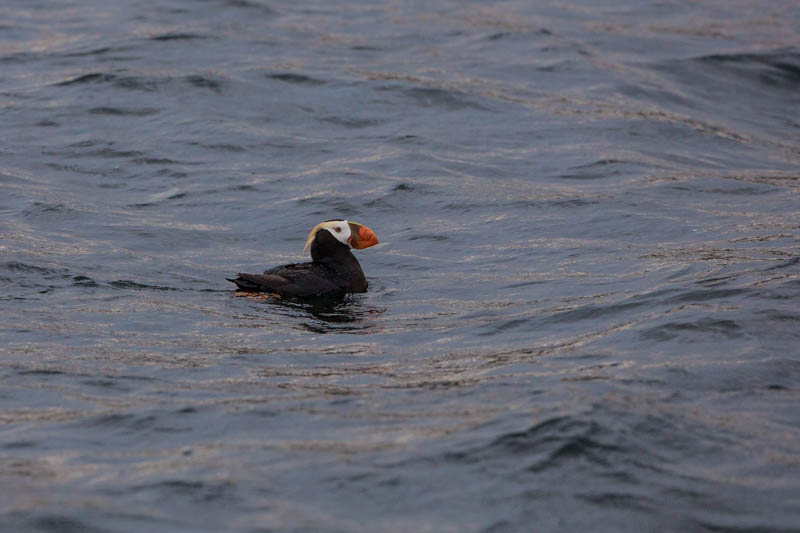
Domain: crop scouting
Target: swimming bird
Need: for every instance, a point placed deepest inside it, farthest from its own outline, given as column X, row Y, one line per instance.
column 333, row 270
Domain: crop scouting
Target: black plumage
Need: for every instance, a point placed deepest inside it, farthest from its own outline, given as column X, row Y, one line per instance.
column 333, row 271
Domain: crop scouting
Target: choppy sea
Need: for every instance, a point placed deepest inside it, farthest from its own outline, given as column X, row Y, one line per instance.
column 584, row 313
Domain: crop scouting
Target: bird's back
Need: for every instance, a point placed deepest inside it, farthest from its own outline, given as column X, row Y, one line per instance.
column 299, row 280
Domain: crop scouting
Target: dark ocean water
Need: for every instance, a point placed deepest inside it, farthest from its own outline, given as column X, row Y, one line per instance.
column 584, row 313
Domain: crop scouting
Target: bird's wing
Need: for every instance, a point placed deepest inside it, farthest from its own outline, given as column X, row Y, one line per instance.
column 292, row 281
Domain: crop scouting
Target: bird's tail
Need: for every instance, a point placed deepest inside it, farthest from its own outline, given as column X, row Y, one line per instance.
column 244, row 284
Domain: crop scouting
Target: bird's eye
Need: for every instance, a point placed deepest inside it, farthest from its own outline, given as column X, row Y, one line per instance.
column 338, row 229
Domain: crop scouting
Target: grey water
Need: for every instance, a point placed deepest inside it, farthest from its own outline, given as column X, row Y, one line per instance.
column 584, row 313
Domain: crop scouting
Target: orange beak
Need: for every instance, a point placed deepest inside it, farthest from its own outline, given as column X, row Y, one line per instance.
column 361, row 236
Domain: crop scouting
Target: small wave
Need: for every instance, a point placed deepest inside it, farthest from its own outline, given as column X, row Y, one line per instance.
column 586, row 312
column 105, row 152
column 365, row 48
column 607, row 168
column 409, row 139
column 403, row 195
column 781, row 69
column 94, row 51
column 122, row 112
column 124, row 82
column 204, row 82
column 83, row 281
column 42, row 208
column 549, row 444
column 106, row 384
column 428, row 237
column 40, row 372
column 19, row 444
column 691, row 329
column 442, row 98
column 178, row 36
column 125, row 422
column 351, row 122
column 222, row 147
column 93, row 77
column 248, row 4
column 139, row 83
column 128, row 284
column 572, row 202
column 789, row 263
column 291, row 77
column 47, row 272
column 704, row 295
column 198, row 491
column 57, row 522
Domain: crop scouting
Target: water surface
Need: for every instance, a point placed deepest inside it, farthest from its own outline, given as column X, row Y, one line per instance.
column 583, row 313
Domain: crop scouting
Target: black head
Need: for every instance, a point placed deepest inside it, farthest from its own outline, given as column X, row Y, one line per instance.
column 326, row 247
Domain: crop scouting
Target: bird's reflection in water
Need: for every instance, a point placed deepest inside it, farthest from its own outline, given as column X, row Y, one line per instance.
column 329, row 315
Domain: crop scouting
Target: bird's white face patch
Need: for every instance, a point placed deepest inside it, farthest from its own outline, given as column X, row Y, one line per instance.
column 339, row 229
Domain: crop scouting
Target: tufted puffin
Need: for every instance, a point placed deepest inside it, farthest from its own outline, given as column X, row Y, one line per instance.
column 333, row 270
